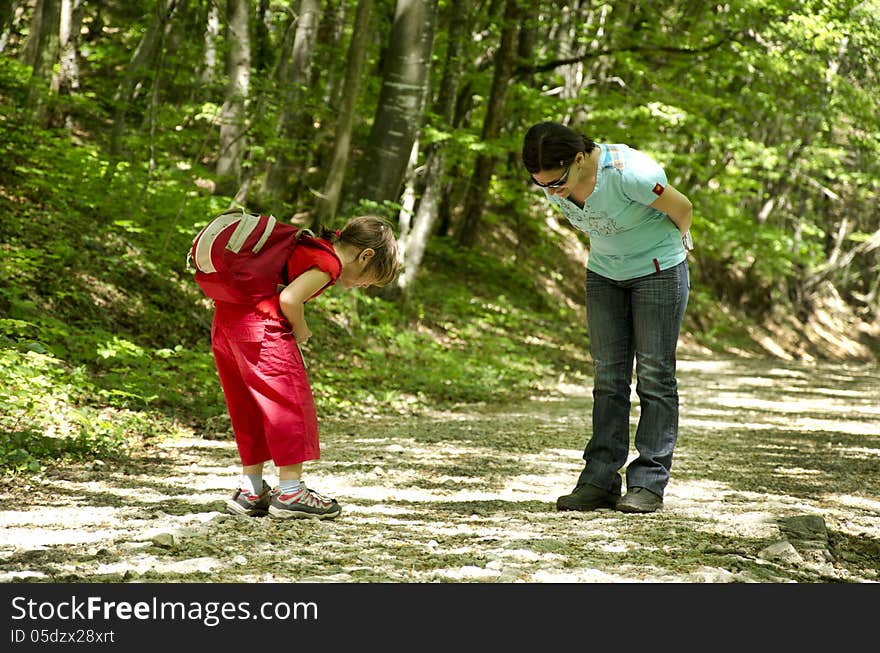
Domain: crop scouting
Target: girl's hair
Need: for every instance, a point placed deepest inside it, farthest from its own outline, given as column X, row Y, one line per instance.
column 551, row 145
column 376, row 233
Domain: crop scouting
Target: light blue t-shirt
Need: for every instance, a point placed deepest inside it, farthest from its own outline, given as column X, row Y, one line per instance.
column 628, row 238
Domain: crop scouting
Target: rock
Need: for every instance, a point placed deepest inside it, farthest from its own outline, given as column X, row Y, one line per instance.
column 809, row 531
column 783, row 551
column 710, row 575
column 165, row 540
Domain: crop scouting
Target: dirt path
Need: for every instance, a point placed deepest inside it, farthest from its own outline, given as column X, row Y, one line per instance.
column 775, row 480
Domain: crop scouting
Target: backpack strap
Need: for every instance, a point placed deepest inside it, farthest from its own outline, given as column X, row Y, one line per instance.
column 285, row 275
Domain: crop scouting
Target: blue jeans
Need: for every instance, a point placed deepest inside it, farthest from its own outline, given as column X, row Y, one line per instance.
column 635, row 319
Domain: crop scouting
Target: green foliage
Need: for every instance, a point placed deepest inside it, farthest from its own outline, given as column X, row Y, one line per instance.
column 104, row 340
column 763, row 113
column 766, row 132
column 40, row 420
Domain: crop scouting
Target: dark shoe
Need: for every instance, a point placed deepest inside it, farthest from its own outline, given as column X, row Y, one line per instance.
column 252, row 505
column 640, row 499
column 587, row 497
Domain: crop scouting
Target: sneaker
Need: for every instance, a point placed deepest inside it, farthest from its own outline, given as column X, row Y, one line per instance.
column 640, row 499
column 587, row 497
column 243, row 502
column 303, row 504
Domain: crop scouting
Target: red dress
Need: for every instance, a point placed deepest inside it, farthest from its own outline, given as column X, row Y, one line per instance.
column 264, row 380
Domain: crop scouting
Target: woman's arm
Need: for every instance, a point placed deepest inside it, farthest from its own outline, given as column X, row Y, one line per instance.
column 677, row 207
column 294, row 296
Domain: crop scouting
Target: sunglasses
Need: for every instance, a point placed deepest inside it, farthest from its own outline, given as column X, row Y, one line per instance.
column 556, row 183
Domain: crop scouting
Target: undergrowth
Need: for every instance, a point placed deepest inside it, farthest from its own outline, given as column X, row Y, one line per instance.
column 105, row 337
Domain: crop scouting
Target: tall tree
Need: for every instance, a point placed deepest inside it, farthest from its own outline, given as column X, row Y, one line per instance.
column 212, row 35
column 233, row 114
column 505, row 59
column 414, row 241
column 328, row 201
column 332, row 35
column 401, row 101
column 294, row 76
column 7, row 9
column 141, row 66
column 44, row 48
column 67, row 77
column 29, row 52
column 261, row 58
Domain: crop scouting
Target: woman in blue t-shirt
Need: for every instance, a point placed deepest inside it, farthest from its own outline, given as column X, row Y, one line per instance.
column 637, row 290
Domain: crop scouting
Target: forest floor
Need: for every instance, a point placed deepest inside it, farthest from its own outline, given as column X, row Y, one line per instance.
column 774, row 480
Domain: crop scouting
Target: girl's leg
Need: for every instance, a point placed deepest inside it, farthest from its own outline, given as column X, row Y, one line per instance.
column 244, row 413
column 279, row 386
column 290, row 472
column 252, row 478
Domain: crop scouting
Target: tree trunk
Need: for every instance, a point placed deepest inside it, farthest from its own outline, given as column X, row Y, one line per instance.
column 262, row 49
column 31, row 47
column 331, row 34
column 328, row 202
column 212, row 36
column 233, row 115
column 408, row 199
column 401, row 100
column 505, row 59
column 294, row 75
column 67, row 78
column 47, row 20
column 142, row 62
column 7, row 9
column 414, row 244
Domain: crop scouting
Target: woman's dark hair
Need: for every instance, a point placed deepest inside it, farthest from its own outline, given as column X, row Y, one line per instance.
column 551, row 145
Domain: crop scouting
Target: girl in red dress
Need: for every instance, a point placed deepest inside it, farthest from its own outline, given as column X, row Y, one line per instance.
column 261, row 369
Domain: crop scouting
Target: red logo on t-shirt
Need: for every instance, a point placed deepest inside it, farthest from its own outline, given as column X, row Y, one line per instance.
column 657, row 190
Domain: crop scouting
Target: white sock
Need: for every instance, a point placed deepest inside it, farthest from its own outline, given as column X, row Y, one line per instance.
column 289, row 487
column 252, row 483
